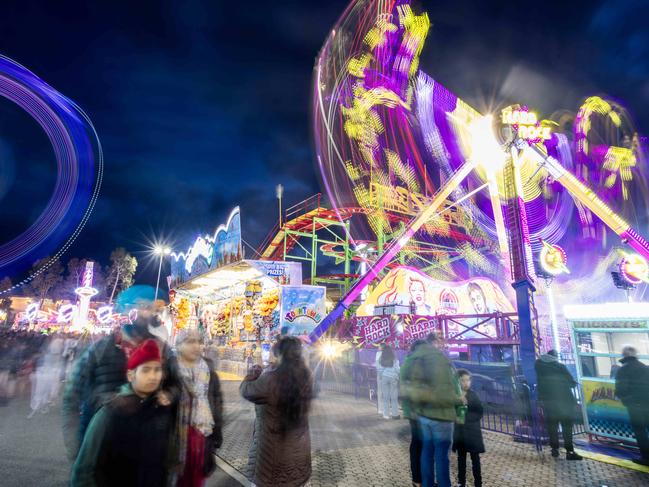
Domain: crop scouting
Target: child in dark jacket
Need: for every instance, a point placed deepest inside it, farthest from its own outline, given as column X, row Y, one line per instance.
column 467, row 437
column 127, row 442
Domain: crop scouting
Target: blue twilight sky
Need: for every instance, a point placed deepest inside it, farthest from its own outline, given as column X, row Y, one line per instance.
column 204, row 105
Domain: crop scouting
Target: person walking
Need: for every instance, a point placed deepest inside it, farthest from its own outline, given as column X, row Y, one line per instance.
column 46, row 378
column 127, row 442
column 199, row 417
column 467, row 437
column 434, row 394
column 388, row 374
column 555, row 384
column 99, row 374
column 406, row 407
column 283, row 454
column 379, row 387
column 632, row 388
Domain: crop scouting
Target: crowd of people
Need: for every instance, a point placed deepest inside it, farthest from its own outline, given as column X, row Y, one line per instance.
column 137, row 413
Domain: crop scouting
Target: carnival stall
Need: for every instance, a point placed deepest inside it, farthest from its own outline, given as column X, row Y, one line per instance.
column 240, row 301
column 600, row 331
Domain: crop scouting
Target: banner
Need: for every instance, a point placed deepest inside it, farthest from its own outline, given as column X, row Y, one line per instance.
column 606, row 415
column 402, row 330
column 285, row 273
column 409, row 291
column 209, row 252
column 302, row 309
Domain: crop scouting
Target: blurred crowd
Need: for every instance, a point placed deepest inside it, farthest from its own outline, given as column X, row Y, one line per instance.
column 140, row 411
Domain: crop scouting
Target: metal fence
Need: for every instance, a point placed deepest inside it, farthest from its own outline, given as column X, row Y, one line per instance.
column 509, row 404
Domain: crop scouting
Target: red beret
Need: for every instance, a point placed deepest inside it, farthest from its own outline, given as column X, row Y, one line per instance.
column 147, row 351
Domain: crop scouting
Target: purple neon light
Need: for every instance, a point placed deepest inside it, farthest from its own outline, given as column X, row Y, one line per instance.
column 79, row 164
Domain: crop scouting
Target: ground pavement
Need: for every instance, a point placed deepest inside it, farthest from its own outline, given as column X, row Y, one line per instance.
column 353, row 446
column 32, row 453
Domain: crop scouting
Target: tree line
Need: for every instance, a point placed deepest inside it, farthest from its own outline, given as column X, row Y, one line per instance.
column 59, row 282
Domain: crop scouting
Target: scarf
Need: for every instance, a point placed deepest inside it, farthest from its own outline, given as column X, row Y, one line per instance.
column 194, row 405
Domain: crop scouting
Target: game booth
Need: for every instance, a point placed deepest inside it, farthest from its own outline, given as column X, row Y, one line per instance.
column 241, row 304
column 599, row 332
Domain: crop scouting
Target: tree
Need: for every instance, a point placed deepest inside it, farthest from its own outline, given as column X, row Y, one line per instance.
column 120, row 272
column 42, row 285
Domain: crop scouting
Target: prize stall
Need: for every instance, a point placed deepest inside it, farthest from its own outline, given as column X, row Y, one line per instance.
column 599, row 333
column 242, row 304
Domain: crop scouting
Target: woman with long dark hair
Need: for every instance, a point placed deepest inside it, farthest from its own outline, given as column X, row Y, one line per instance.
column 388, row 374
column 283, row 456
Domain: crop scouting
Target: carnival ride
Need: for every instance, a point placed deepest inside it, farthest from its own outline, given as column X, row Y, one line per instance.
column 390, row 140
column 80, row 169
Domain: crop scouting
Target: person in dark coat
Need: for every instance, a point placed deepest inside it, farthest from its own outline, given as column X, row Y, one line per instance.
column 283, row 454
column 127, row 442
column 99, row 374
column 555, row 384
column 632, row 388
column 406, row 406
column 467, row 437
column 200, row 411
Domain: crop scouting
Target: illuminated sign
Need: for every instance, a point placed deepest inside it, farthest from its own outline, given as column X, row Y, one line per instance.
column 526, row 123
column 66, row 313
column 32, row 311
column 201, row 248
column 634, row 269
column 553, row 259
column 104, row 314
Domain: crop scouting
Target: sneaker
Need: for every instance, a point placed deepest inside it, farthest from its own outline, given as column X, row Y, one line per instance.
column 385, row 416
column 573, row 456
column 641, row 461
column 396, row 417
column 555, row 453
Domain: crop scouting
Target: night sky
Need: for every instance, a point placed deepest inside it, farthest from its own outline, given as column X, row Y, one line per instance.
column 204, row 105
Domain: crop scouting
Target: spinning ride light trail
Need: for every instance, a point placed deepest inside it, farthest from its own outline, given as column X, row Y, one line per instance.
column 80, row 169
column 377, row 90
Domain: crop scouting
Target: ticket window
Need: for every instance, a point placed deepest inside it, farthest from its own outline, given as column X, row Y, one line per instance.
column 610, row 345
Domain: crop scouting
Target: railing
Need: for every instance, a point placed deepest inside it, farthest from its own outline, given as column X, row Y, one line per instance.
column 290, row 213
column 303, row 207
column 456, row 330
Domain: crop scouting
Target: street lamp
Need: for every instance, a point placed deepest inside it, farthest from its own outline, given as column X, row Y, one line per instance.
column 161, row 251
column 279, row 191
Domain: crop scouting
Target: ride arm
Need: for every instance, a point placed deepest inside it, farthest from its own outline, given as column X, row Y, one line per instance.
column 590, row 200
column 392, row 250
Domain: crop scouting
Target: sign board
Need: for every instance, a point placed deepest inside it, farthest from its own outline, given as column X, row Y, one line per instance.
column 302, row 309
column 605, row 414
column 209, row 252
column 284, row 273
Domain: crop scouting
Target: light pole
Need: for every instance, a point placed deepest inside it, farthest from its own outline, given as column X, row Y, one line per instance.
column 279, row 191
column 160, row 251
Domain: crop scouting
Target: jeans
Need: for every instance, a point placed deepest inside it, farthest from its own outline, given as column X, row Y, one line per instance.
column 390, row 393
column 437, row 437
column 552, row 425
column 415, row 451
column 461, row 468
